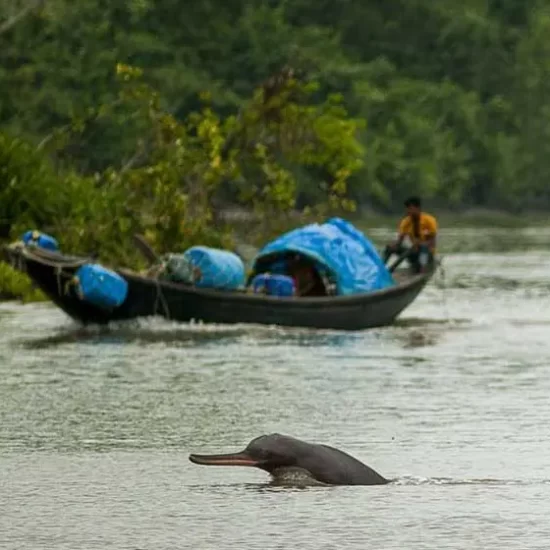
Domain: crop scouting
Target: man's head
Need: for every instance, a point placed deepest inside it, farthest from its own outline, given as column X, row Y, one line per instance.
column 413, row 205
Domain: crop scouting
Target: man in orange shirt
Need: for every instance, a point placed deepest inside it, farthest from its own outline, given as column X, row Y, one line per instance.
column 421, row 230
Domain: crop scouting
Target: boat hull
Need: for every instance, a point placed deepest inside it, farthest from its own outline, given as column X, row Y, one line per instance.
column 177, row 302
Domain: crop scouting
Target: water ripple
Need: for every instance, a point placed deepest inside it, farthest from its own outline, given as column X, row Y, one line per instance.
column 451, row 403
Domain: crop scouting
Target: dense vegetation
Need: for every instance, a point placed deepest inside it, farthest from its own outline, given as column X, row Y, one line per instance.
column 153, row 115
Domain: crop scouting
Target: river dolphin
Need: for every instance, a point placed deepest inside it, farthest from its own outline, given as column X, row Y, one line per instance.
column 286, row 458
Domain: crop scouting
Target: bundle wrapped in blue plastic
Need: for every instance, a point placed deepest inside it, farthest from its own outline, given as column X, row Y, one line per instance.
column 41, row 240
column 100, row 286
column 274, row 284
column 347, row 255
column 216, row 268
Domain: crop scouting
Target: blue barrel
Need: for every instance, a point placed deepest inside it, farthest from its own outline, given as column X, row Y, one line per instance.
column 218, row 268
column 36, row 238
column 273, row 284
column 100, row 286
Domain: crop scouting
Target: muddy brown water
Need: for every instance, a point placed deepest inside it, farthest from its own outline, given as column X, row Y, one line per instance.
column 452, row 403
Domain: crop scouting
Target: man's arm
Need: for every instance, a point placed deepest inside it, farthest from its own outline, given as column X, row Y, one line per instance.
column 432, row 235
column 430, row 240
column 399, row 240
column 401, row 234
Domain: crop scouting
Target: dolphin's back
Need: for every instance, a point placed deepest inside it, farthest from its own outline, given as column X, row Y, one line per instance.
column 326, row 464
column 336, row 467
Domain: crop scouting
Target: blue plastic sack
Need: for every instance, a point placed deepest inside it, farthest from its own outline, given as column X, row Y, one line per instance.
column 218, row 268
column 345, row 253
column 41, row 240
column 273, row 284
column 100, row 286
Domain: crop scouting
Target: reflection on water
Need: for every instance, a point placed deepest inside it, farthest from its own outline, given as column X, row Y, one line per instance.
column 156, row 331
column 133, row 332
column 451, row 403
column 415, row 331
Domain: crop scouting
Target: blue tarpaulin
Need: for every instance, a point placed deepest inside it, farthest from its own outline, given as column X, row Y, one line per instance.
column 341, row 249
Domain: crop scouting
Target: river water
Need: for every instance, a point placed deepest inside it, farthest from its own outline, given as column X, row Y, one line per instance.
column 452, row 403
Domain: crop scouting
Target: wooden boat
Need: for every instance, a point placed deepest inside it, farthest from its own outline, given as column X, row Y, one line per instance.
column 146, row 297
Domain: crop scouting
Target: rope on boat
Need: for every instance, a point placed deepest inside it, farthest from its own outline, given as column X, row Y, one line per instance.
column 19, row 261
column 40, row 256
column 37, row 255
column 160, row 297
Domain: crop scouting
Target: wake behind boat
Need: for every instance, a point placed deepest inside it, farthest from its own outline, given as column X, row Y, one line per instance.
column 324, row 276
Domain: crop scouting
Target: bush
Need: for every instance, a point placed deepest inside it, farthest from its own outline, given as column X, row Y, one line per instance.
column 16, row 285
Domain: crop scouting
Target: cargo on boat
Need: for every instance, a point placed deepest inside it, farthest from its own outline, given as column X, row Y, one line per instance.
column 324, row 276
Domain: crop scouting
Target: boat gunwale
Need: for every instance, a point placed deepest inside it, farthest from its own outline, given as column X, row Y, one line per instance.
column 47, row 258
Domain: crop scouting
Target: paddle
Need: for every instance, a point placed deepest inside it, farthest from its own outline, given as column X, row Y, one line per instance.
column 399, row 260
column 145, row 248
column 150, row 255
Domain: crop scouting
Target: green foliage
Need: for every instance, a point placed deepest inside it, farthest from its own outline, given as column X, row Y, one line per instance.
column 525, row 169
column 24, row 179
column 423, row 138
column 448, row 100
column 14, row 284
column 253, row 156
column 182, row 169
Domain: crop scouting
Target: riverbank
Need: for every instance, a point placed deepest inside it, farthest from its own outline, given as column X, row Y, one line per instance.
column 468, row 218
column 366, row 218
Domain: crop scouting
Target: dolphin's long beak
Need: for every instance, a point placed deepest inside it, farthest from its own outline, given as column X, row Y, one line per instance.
column 230, row 459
